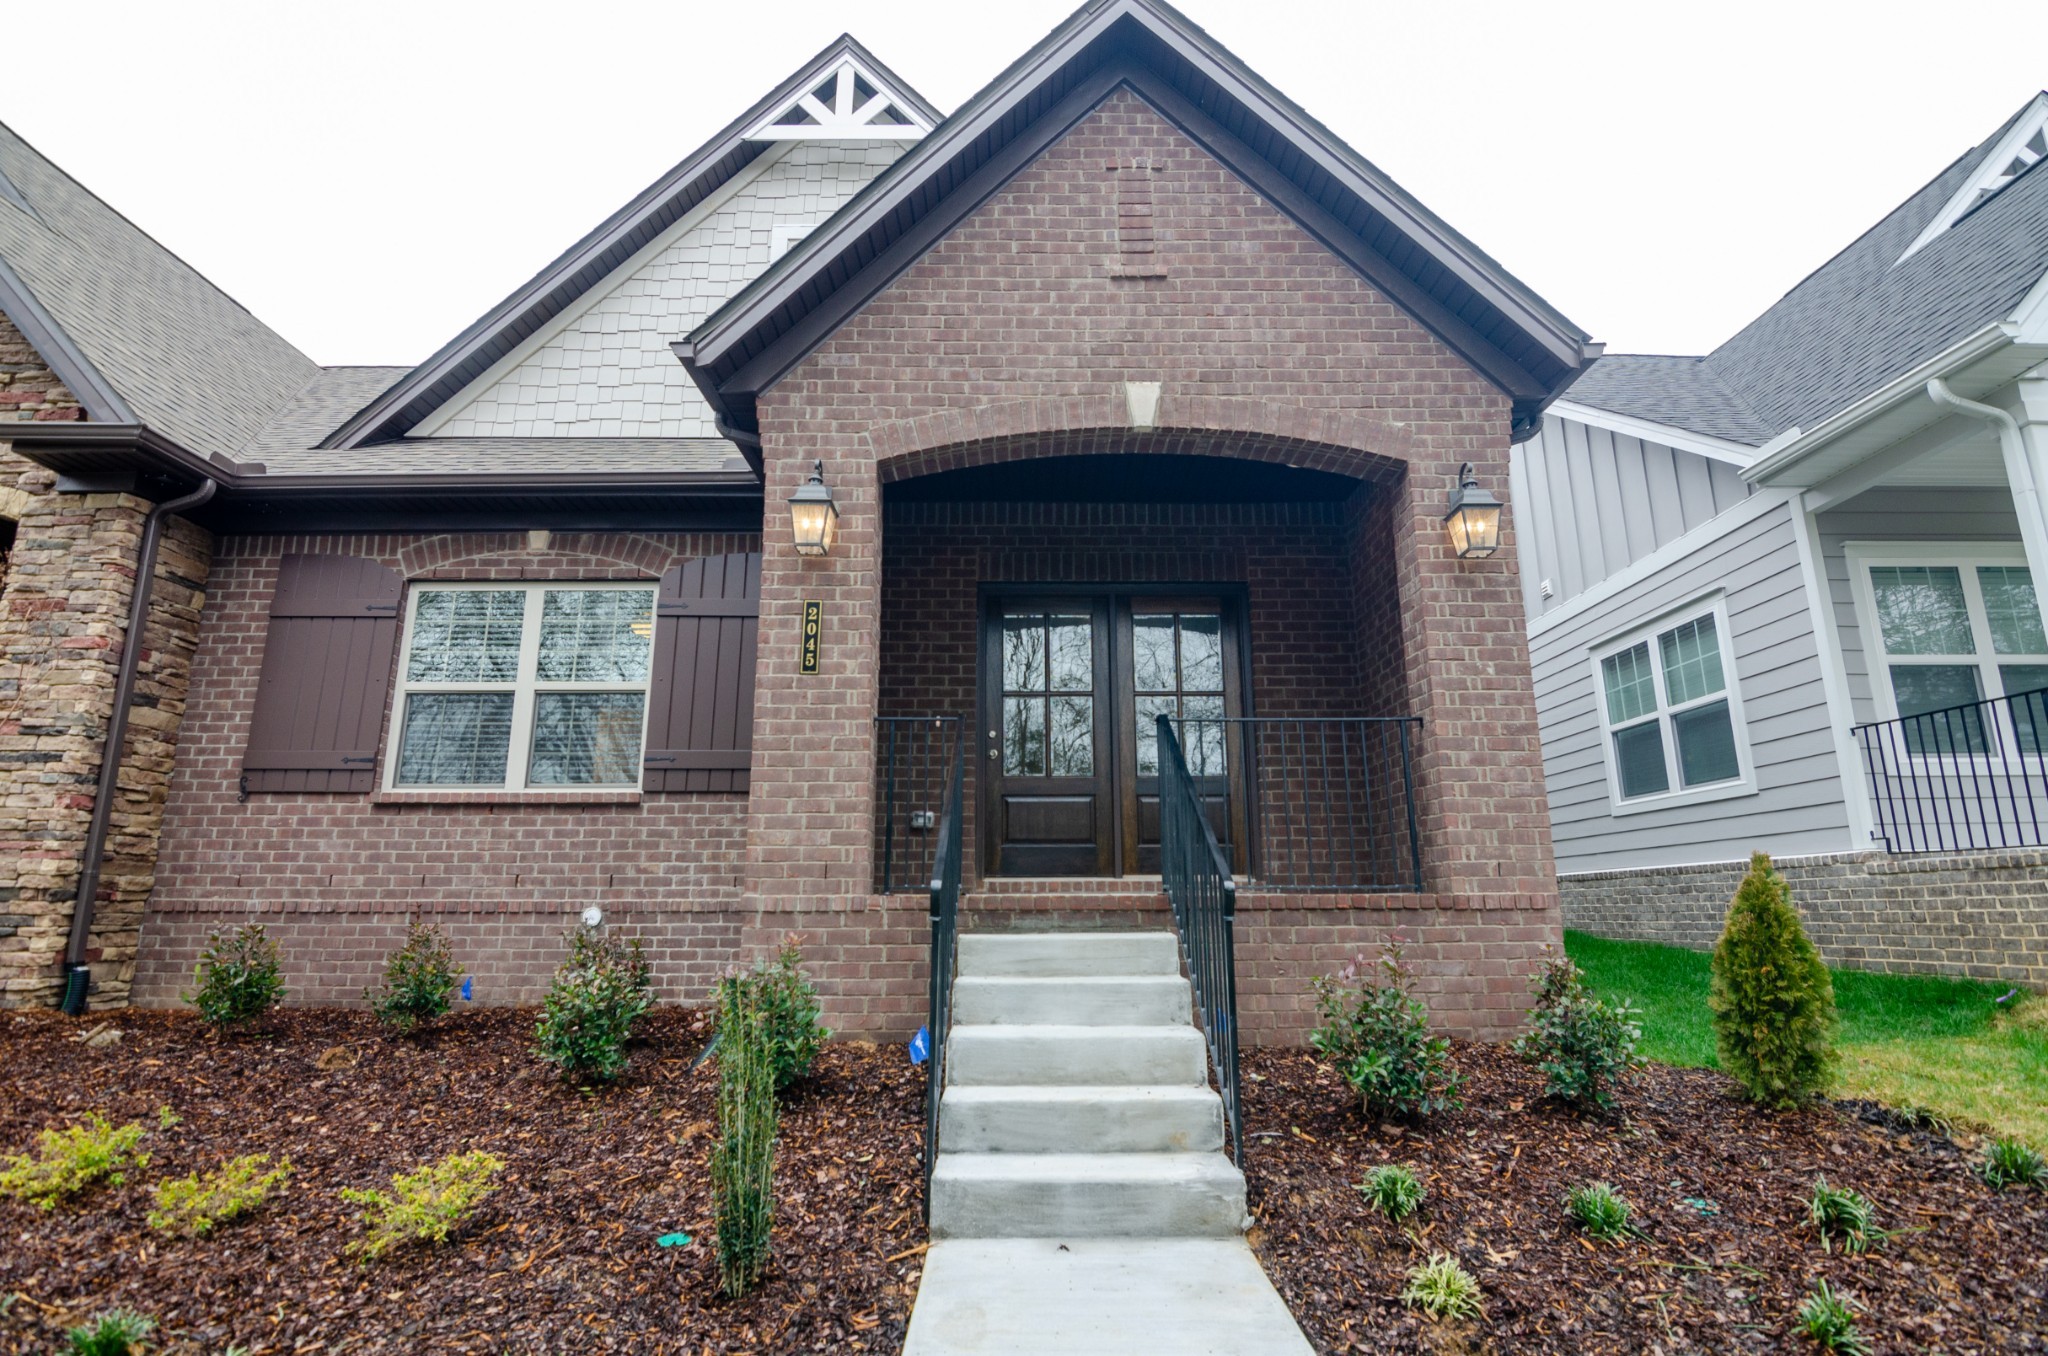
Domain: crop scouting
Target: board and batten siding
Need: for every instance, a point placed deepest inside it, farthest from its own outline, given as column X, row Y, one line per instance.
column 1797, row 807
column 1916, row 514
column 1588, row 502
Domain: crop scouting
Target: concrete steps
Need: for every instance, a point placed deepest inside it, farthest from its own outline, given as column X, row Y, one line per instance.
column 1081, row 1202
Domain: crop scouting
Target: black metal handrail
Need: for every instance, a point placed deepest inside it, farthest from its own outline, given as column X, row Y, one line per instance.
column 912, row 757
column 1203, row 894
column 1330, row 799
column 945, row 888
column 1973, row 775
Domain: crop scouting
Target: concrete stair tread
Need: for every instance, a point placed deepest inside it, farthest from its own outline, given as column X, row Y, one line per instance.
column 1088, row 1167
column 1055, row 1118
column 1080, row 1297
column 985, row 1054
column 1073, row 1000
column 1081, row 1092
column 1068, row 954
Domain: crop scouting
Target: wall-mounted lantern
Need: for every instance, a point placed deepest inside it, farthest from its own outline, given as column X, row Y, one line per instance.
column 813, row 517
column 1473, row 519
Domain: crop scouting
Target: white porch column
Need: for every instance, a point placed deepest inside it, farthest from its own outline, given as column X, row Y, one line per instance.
column 2031, row 410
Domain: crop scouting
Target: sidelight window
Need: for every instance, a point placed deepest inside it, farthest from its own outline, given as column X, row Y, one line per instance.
column 523, row 685
column 1672, row 718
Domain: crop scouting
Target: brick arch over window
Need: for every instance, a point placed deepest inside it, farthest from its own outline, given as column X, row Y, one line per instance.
column 566, row 556
column 1343, row 442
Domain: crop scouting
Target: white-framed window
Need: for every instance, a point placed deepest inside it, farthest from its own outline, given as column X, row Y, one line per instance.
column 1671, row 716
column 509, row 686
column 1946, row 626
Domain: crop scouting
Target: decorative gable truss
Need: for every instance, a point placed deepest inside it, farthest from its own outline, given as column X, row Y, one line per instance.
column 849, row 104
column 2024, row 145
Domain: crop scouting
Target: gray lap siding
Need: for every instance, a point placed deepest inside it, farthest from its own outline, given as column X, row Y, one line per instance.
column 1797, row 807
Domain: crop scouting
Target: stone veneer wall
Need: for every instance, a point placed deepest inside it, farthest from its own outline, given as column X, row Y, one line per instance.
column 1982, row 914
column 63, row 611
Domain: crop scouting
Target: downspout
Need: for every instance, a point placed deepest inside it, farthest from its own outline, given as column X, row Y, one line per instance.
column 77, row 974
column 2019, row 471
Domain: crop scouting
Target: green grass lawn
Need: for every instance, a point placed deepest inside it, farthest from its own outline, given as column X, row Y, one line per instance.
column 1906, row 1040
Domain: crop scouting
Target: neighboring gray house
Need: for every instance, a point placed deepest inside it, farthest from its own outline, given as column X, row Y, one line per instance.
column 1783, row 597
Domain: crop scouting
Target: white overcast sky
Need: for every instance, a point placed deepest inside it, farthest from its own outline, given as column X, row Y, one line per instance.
column 368, row 177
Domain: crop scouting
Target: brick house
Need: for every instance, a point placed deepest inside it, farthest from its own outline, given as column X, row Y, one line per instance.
column 1134, row 392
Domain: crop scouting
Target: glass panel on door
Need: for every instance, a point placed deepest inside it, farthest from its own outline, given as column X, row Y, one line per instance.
column 1049, row 790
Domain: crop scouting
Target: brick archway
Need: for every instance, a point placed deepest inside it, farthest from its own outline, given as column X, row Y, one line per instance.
column 1347, row 443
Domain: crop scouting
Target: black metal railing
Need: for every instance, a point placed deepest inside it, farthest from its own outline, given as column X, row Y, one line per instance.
column 913, row 755
column 1328, row 802
column 945, row 888
column 1203, row 894
column 1968, row 776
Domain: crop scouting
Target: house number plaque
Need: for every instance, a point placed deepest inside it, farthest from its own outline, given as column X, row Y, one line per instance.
column 814, row 612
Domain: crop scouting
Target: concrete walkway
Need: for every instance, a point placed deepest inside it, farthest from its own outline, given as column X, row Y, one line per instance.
column 1081, row 1201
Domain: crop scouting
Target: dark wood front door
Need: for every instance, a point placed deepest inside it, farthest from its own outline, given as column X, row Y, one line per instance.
column 1072, row 689
column 1048, row 740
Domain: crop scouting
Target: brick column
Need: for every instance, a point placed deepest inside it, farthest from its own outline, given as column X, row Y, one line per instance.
column 1485, row 821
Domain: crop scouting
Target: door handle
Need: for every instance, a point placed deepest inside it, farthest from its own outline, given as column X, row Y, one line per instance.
column 995, row 748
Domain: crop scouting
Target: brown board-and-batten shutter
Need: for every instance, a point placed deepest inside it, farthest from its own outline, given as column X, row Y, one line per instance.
column 326, row 674
column 700, row 706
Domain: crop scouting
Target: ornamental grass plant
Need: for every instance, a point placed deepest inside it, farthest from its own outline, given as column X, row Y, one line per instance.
column 743, row 1159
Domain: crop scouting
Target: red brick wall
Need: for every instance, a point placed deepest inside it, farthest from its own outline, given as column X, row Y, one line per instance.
column 334, row 876
column 1292, row 558
column 1012, row 338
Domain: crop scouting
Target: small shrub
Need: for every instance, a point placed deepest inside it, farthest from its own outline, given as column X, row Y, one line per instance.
column 788, row 1007
column 1394, row 1190
column 419, row 980
column 743, row 1159
column 237, row 979
column 2008, row 1162
column 1584, row 1045
column 1841, row 1215
column 1601, row 1211
column 1378, row 1037
column 599, row 992
column 118, row 1332
column 429, row 1203
column 1772, row 1000
column 1443, row 1289
column 194, row 1205
column 1828, row 1319
column 69, row 1161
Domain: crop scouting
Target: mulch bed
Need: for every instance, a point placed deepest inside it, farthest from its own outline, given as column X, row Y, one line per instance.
column 562, row 1258
column 1967, row 1273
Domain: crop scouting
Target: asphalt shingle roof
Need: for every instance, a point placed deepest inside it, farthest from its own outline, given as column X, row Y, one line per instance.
column 1856, row 322
column 187, row 359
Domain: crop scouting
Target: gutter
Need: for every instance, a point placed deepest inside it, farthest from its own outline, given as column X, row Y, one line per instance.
column 2019, row 470
column 77, row 974
column 1781, row 454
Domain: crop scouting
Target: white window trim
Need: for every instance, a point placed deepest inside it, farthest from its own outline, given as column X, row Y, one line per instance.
column 1965, row 557
column 523, row 688
column 1715, row 604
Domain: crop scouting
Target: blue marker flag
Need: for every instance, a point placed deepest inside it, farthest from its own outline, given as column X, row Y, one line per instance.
column 921, row 1046
column 465, row 988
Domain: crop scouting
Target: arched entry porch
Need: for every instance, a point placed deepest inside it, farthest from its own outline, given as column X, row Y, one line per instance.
column 1046, row 594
